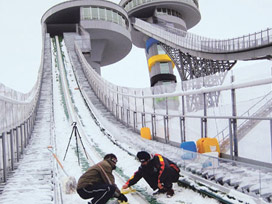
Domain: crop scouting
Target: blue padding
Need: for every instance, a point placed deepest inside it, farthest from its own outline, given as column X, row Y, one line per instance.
column 149, row 43
column 188, row 146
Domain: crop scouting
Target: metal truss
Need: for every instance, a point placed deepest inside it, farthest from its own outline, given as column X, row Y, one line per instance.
column 191, row 67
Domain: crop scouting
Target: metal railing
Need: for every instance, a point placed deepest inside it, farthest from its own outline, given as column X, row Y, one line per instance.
column 163, row 109
column 139, row 108
column 17, row 116
column 199, row 43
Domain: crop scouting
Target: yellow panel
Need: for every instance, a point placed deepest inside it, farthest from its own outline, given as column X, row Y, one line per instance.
column 211, row 145
column 158, row 58
column 199, row 145
column 207, row 145
column 145, row 133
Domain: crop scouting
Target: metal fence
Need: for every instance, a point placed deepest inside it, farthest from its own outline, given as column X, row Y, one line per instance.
column 166, row 110
column 17, row 117
column 199, row 43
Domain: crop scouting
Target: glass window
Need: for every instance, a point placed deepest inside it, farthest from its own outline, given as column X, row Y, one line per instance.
column 124, row 22
column 109, row 15
column 94, row 13
column 160, row 50
column 86, row 13
column 102, row 13
column 164, row 68
column 130, row 5
column 115, row 17
column 120, row 18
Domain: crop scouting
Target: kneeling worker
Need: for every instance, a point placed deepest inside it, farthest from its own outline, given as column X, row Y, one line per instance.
column 98, row 182
column 159, row 172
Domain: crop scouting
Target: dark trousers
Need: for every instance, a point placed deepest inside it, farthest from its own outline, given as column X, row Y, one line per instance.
column 100, row 193
column 169, row 176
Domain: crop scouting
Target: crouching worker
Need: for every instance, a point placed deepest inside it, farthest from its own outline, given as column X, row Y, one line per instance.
column 98, row 182
column 159, row 172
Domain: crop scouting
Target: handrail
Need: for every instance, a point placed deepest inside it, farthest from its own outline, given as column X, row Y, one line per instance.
column 203, row 44
column 120, row 103
column 108, row 87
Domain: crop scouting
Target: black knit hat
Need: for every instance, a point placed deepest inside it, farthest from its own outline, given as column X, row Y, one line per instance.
column 111, row 157
column 143, row 156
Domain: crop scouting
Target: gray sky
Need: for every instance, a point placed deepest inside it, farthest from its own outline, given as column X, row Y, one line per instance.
column 21, row 38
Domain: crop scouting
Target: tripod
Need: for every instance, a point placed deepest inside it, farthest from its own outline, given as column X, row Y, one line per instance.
column 76, row 133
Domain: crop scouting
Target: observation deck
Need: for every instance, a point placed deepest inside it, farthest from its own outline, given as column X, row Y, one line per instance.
column 181, row 14
column 105, row 24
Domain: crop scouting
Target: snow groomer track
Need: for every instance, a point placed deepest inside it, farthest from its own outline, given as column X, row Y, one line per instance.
column 87, row 35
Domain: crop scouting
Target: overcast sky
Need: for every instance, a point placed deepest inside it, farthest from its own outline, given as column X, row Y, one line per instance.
column 21, row 37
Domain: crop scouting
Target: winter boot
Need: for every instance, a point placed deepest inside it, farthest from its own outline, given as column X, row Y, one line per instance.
column 169, row 193
column 160, row 191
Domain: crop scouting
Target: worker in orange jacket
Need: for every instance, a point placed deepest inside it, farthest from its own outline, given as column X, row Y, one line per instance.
column 159, row 172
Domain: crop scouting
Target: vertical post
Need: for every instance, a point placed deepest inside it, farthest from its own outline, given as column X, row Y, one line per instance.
column 25, row 134
column 231, row 138
column 17, row 143
column 183, row 113
column 128, row 112
column 22, row 138
column 152, row 126
column 166, row 133
column 28, row 130
column 4, row 157
column 117, row 105
column 134, row 120
column 234, row 122
column 205, row 114
column 143, row 114
column 11, row 149
column 271, row 137
column 201, row 127
column 135, row 111
column 182, row 135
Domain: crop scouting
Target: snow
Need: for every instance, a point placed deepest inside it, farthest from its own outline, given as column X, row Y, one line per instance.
column 37, row 158
column 31, row 190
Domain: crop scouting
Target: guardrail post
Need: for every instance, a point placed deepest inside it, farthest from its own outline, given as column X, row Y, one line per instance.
column 122, row 107
column 22, row 138
column 271, row 136
column 143, row 114
column 4, row 152
column 166, row 128
column 153, row 123
column 205, row 114
column 182, row 129
column 231, row 139
column 135, row 112
column 234, row 120
column 28, row 130
column 25, row 134
column 134, row 120
column 11, row 149
column 117, row 104
column 17, row 143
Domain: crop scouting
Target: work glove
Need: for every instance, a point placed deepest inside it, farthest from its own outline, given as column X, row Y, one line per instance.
column 122, row 198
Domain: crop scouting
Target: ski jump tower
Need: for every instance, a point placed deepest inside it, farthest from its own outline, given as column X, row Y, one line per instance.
column 103, row 25
column 109, row 34
column 179, row 14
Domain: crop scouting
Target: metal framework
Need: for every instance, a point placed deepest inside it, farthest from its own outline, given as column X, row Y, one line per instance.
column 191, row 67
